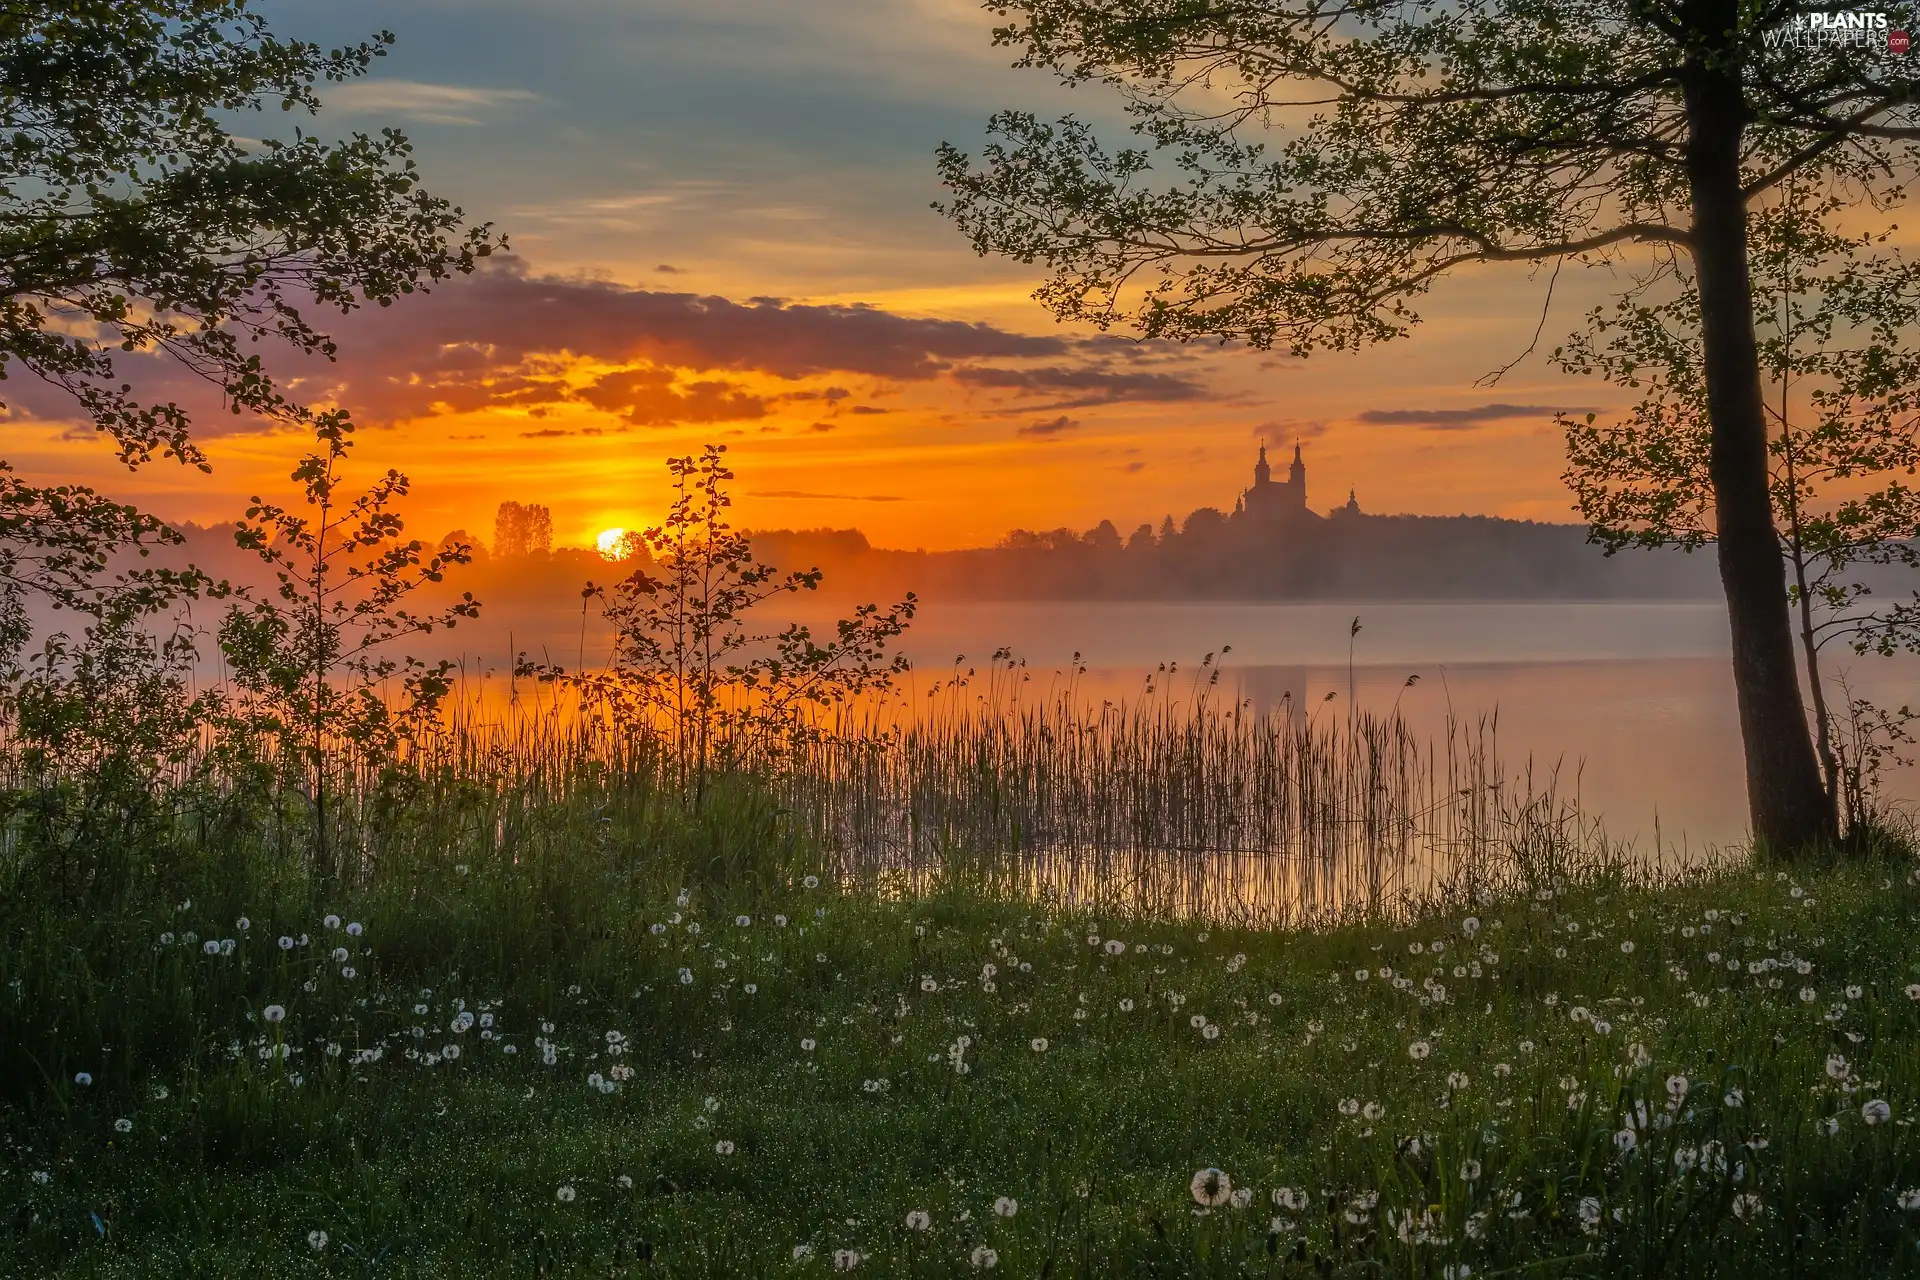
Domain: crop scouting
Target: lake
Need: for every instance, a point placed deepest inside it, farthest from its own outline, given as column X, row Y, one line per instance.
column 1631, row 701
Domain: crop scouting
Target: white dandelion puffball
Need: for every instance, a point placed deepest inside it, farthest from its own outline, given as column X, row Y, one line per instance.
column 919, row 1220
column 1241, row 1198
column 1876, row 1111
column 123, row 1125
column 984, row 1259
column 801, row 1252
column 564, row 1194
column 806, row 1045
column 1470, row 1171
column 1746, row 1207
column 331, row 921
column 1115, row 947
column 1210, row 1187
column 1676, row 1087
column 723, row 1148
column 273, row 1013
column 1419, row 1050
column 846, row 1259
column 1626, row 1140
column 1039, row 1044
column 354, row 929
column 1909, row 1200
column 1913, row 990
column 1735, row 1098
column 1470, row 926
column 1005, row 1206
column 83, row 1078
column 286, row 943
column 317, row 1241
column 1456, row 1080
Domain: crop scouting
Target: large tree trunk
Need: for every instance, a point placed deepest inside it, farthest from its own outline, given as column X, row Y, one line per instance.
column 1785, row 797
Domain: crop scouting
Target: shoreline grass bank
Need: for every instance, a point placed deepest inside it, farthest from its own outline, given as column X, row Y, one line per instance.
column 559, row 1065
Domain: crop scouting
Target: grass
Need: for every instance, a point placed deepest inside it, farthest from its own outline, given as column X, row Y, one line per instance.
column 720, row 1067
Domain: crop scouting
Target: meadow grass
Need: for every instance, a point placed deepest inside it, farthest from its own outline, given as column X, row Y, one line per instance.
column 587, row 1030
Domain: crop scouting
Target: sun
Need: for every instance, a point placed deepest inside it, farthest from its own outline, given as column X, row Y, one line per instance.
column 608, row 541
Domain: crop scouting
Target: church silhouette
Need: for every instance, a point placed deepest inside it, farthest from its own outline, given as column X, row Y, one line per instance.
column 1273, row 503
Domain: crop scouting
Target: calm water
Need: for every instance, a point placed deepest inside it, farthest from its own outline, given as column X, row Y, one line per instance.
column 1631, row 701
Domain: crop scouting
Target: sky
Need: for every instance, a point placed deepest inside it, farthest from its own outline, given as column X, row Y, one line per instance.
column 720, row 228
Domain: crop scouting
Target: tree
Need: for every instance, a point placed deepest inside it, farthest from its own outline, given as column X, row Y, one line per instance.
column 522, row 529
column 134, row 219
column 688, row 663
column 311, row 663
column 1835, row 313
column 1412, row 139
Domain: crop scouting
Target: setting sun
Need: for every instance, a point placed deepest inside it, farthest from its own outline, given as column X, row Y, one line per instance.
column 608, row 541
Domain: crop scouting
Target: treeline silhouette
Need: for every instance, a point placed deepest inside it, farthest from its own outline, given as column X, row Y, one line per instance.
column 1208, row 557
column 1214, row 557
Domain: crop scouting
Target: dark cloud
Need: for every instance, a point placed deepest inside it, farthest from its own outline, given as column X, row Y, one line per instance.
column 1100, row 385
column 649, row 397
column 1458, row 419
column 1052, row 427
column 1133, row 468
column 505, row 337
column 554, row 433
column 868, row 408
column 826, row 497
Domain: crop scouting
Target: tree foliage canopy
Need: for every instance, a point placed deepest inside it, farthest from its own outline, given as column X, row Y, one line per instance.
column 134, row 218
column 1311, row 167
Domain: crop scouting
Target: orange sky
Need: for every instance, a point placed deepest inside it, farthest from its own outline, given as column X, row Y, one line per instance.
column 840, row 404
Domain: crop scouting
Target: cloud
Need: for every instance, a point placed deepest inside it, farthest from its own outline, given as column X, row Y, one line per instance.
column 1052, row 427
column 1132, row 468
column 826, row 497
column 503, row 318
column 1100, row 385
column 1467, row 419
column 1289, row 429
column 506, row 338
column 423, row 103
column 649, row 397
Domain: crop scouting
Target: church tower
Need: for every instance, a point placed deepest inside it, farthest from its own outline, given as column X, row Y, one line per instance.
column 1272, row 503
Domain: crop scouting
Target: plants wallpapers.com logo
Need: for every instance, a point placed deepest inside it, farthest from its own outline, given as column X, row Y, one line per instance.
column 1846, row 28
